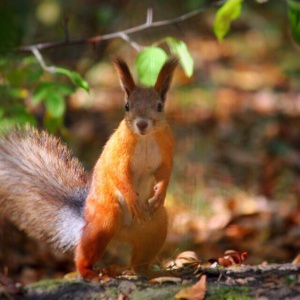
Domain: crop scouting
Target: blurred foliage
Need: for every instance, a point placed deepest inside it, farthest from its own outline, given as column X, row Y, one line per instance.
column 230, row 11
column 23, row 85
column 294, row 18
column 40, row 87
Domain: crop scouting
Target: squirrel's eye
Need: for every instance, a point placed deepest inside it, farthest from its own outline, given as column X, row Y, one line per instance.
column 159, row 107
column 127, row 106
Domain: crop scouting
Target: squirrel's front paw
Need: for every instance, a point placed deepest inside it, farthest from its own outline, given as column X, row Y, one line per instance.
column 137, row 210
column 157, row 200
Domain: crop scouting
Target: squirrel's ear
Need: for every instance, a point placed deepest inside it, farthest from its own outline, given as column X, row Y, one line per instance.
column 125, row 76
column 165, row 76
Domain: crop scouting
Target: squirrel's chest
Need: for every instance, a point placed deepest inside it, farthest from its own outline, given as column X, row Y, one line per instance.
column 146, row 158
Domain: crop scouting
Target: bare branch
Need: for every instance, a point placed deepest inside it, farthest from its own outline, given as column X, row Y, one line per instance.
column 149, row 19
column 40, row 59
column 120, row 34
column 133, row 44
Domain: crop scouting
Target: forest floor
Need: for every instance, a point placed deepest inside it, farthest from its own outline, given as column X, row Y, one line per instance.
column 275, row 281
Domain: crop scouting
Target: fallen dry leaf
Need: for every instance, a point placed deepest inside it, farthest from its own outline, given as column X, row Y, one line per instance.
column 187, row 256
column 194, row 292
column 185, row 262
column 296, row 261
column 230, row 258
column 72, row 275
column 160, row 280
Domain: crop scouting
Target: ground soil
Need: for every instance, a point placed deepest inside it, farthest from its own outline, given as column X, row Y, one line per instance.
column 275, row 281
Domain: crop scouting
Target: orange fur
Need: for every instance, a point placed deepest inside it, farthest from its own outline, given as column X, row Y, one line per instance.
column 130, row 180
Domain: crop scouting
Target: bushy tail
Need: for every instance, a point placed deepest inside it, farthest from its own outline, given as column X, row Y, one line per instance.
column 42, row 188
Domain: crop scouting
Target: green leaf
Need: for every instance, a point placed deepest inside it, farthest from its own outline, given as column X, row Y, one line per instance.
column 179, row 48
column 55, row 105
column 64, row 89
column 74, row 77
column 148, row 64
column 229, row 11
column 41, row 91
column 294, row 19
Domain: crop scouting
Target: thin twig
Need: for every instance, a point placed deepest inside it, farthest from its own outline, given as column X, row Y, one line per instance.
column 40, row 59
column 121, row 34
column 149, row 15
column 133, row 44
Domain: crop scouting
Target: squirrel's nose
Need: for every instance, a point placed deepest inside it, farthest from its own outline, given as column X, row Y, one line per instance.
column 142, row 125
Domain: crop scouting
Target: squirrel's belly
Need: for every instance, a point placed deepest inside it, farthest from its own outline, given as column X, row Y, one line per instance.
column 145, row 161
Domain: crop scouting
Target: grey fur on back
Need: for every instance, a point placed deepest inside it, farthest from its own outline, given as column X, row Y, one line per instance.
column 42, row 188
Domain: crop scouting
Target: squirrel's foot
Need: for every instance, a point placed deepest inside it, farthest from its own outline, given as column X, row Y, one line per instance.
column 89, row 274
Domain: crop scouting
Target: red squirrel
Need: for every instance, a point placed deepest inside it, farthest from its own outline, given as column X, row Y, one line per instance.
column 46, row 192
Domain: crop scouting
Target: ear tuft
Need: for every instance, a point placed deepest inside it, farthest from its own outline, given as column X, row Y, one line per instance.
column 125, row 77
column 165, row 76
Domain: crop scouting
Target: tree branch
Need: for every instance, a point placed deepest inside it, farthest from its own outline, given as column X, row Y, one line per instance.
column 40, row 59
column 120, row 34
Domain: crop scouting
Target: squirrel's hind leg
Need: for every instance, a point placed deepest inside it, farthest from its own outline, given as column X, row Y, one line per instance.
column 100, row 228
column 147, row 243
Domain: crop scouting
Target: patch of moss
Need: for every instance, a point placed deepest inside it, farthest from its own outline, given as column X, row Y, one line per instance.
column 63, row 289
column 228, row 293
column 290, row 279
column 155, row 293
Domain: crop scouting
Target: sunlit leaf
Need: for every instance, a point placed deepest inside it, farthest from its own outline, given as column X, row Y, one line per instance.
column 55, row 104
column 148, row 64
column 74, row 77
column 294, row 18
column 229, row 11
column 179, row 48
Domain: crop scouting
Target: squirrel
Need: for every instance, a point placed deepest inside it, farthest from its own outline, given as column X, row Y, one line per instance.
column 46, row 192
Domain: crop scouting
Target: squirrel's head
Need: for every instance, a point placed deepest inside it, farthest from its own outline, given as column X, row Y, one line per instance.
column 144, row 107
